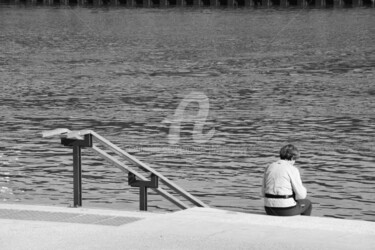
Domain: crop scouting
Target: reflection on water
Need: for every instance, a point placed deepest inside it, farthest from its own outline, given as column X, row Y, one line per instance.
column 272, row 77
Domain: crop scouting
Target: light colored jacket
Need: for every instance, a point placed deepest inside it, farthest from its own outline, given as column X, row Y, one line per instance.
column 282, row 178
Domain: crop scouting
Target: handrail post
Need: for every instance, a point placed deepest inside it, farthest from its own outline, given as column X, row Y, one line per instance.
column 143, row 198
column 77, row 176
column 77, row 144
column 143, row 185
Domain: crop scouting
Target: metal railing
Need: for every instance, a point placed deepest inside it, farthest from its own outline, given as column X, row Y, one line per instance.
column 85, row 139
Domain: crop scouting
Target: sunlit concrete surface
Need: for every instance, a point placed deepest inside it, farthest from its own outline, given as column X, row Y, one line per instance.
column 40, row 227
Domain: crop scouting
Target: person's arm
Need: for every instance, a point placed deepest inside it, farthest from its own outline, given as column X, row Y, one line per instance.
column 298, row 188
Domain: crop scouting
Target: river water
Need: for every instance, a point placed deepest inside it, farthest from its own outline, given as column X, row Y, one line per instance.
column 270, row 77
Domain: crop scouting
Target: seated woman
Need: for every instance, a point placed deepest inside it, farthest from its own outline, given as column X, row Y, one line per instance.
column 282, row 189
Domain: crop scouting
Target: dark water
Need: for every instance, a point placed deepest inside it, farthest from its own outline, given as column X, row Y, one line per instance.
column 271, row 77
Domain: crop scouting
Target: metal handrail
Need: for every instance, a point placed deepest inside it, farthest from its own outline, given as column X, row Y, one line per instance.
column 81, row 136
column 123, row 167
column 164, row 179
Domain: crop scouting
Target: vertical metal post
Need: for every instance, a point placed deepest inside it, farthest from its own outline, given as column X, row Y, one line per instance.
column 143, row 198
column 77, row 145
column 143, row 185
column 77, row 176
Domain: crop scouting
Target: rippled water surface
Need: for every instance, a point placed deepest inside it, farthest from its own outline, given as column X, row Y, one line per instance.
column 271, row 77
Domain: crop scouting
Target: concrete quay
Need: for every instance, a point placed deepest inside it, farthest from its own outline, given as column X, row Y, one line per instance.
column 43, row 227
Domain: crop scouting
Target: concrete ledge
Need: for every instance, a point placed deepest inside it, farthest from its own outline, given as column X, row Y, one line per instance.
column 79, row 210
column 195, row 228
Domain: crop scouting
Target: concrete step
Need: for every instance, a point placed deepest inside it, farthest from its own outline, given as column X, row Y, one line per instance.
column 41, row 227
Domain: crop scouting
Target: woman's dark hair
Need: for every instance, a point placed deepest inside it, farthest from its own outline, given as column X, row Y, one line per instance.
column 289, row 152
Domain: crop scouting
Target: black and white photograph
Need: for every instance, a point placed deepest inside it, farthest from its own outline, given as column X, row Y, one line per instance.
column 187, row 124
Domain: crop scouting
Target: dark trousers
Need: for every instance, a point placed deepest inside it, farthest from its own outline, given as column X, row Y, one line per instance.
column 303, row 207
